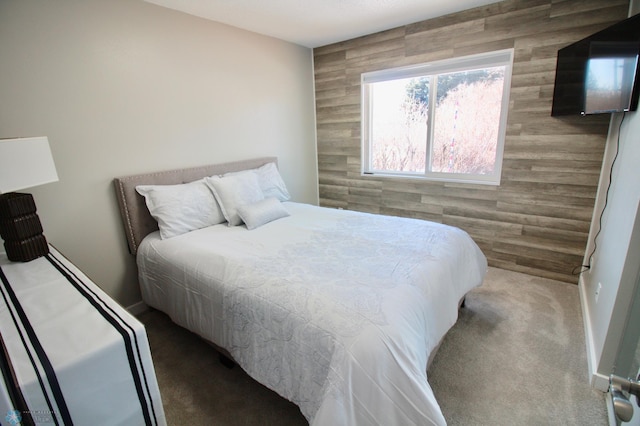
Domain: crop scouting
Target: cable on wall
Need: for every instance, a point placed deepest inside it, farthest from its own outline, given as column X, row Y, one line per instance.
column 606, row 200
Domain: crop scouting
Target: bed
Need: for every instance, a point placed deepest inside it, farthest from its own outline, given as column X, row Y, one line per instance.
column 337, row 311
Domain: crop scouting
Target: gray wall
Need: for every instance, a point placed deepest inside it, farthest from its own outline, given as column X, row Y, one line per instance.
column 122, row 87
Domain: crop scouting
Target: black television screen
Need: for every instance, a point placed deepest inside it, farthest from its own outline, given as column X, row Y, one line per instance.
column 599, row 74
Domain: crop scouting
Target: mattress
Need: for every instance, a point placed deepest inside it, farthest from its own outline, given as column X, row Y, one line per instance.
column 335, row 310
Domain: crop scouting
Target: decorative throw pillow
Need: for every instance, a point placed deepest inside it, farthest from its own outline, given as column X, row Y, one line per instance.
column 261, row 212
column 233, row 191
column 179, row 209
column 270, row 181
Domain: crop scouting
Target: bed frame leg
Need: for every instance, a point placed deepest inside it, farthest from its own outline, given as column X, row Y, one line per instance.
column 226, row 361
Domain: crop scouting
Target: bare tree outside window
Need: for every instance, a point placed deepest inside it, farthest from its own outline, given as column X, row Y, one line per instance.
column 467, row 121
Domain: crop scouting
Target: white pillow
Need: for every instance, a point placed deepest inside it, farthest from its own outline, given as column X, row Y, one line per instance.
column 179, row 209
column 233, row 191
column 270, row 181
column 261, row 212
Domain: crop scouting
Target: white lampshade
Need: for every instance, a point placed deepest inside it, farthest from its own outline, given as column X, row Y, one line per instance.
column 24, row 163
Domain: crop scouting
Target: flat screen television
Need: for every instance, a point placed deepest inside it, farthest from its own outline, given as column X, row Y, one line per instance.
column 600, row 73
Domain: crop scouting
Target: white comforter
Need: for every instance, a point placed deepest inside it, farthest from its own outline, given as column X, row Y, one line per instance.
column 335, row 310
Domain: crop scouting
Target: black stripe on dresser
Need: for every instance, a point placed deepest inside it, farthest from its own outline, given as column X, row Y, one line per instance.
column 135, row 360
column 15, row 308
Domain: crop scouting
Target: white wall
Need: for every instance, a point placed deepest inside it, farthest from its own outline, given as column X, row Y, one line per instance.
column 616, row 261
column 124, row 86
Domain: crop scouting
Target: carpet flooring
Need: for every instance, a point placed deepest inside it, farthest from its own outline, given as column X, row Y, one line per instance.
column 516, row 356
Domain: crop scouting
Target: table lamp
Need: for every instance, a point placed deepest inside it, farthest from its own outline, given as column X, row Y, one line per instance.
column 24, row 163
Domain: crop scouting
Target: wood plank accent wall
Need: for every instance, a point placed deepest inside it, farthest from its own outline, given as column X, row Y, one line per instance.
column 537, row 221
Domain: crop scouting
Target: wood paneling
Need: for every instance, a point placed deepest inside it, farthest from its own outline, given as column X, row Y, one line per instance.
column 537, row 221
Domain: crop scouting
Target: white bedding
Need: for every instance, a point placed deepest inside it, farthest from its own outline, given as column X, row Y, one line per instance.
column 335, row 310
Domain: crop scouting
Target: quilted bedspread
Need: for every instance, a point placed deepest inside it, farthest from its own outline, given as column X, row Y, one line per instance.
column 335, row 310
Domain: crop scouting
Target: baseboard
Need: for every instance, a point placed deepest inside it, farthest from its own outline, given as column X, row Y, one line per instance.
column 597, row 380
column 137, row 308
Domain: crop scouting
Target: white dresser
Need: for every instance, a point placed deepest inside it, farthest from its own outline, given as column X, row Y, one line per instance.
column 70, row 355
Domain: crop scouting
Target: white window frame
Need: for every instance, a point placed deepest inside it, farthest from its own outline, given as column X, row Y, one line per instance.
column 471, row 62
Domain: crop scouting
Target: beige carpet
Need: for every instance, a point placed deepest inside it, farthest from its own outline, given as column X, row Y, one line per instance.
column 515, row 357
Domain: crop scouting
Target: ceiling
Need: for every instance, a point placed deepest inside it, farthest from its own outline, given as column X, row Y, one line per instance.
column 314, row 23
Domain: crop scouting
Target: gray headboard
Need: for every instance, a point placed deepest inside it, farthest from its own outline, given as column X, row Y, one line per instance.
column 137, row 221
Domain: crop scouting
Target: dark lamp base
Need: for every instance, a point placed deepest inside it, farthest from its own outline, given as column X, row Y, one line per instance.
column 20, row 228
column 27, row 249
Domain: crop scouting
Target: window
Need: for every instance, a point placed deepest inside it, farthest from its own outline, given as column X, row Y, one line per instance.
column 442, row 120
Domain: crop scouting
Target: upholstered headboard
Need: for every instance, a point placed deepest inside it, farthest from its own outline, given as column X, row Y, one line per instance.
column 137, row 221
